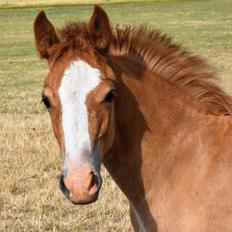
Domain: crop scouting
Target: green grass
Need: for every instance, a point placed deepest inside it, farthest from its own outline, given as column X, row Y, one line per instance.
column 29, row 160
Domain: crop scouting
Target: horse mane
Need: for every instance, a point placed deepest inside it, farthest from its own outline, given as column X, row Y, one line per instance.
column 156, row 51
column 144, row 45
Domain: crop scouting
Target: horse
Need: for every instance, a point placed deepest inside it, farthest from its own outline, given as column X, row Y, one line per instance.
column 150, row 111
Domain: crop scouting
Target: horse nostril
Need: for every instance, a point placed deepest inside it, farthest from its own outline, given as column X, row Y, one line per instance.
column 63, row 188
column 93, row 181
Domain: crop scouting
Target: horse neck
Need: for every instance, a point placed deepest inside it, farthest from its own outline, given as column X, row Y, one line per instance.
column 152, row 119
column 148, row 113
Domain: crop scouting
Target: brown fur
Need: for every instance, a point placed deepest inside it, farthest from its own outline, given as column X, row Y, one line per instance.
column 143, row 45
column 167, row 137
column 156, row 52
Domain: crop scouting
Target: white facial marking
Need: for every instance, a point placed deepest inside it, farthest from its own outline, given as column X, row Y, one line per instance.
column 78, row 81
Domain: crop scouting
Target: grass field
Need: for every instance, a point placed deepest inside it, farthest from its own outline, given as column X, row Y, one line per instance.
column 29, row 160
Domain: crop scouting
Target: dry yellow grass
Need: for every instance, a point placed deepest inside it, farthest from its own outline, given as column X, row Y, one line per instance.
column 30, row 199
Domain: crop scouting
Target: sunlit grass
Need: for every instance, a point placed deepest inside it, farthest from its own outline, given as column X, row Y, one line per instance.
column 24, row 3
column 29, row 162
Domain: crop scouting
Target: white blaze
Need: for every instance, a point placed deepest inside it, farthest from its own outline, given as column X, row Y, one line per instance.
column 78, row 81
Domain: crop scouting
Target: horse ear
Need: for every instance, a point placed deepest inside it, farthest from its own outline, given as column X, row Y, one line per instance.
column 100, row 29
column 45, row 35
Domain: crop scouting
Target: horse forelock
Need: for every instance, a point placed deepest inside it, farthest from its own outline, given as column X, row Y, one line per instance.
column 74, row 37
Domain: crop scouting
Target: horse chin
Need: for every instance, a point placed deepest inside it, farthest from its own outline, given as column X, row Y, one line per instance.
column 85, row 201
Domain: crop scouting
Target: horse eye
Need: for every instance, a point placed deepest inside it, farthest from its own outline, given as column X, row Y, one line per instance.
column 109, row 97
column 46, row 102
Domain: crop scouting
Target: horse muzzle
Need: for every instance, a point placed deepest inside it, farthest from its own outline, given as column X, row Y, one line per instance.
column 80, row 187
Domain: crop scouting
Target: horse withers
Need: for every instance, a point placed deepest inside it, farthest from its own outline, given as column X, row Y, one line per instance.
column 150, row 111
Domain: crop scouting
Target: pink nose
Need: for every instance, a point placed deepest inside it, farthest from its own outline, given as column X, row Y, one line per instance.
column 81, row 187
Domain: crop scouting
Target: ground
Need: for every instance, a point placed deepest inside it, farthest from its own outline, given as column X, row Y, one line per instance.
column 30, row 199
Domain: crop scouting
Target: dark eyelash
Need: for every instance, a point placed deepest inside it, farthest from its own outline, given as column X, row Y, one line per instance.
column 46, row 102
